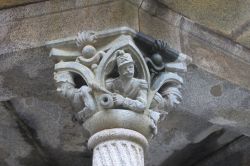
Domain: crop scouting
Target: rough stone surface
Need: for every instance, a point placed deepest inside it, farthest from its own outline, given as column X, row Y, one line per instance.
column 114, row 147
column 13, row 145
column 45, row 8
column 20, row 76
column 235, row 154
column 210, row 51
column 159, row 29
column 244, row 38
column 228, row 18
column 215, row 60
column 36, row 31
column 229, row 107
column 215, row 109
column 13, row 3
column 48, row 134
column 63, row 141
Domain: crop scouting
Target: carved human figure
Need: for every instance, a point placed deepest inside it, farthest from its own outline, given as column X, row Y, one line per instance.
column 128, row 92
column 81, row 98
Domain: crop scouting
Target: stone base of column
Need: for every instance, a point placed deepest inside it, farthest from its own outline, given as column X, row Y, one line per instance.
column 118, row 147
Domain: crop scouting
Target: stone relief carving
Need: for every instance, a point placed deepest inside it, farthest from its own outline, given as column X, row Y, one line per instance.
column 120, row 77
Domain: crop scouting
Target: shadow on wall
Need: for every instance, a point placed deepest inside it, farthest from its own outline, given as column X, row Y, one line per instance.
column 193, row 154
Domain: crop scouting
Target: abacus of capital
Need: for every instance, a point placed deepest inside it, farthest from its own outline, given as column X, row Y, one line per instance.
column 121, row 84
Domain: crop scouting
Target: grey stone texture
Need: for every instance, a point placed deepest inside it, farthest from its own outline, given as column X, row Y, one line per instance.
column 13, row 3
column 237, row 153
column 36, row 126
column 229, row 18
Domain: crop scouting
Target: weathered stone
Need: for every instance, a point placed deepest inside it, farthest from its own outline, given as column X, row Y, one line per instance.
column 119, row 109
column 226, row 45
column 244, row 39
column 221, row 16
column 235, row 154
column 215, row 60
column 136, row 2
column 45, row 8
column 230, row 60
column 211, row 104
column 230, row 109
column 182, row 136
column 160, row 11
column 21, row 77
column 184, row 24
column 13, row 3
column 228, row 18
column 157, row 28
column 12, row 144
column 48, row 128
column 36, row 31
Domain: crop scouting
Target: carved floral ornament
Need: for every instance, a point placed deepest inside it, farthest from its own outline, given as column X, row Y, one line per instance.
column 118, row 79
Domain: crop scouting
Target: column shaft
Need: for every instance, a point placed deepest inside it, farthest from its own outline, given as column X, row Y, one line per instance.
column 118, row 147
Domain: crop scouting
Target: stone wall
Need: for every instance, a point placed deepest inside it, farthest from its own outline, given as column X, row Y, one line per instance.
column 36, row 124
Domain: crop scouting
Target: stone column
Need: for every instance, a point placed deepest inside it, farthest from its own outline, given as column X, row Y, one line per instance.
column 119, row 89
column 118, row 147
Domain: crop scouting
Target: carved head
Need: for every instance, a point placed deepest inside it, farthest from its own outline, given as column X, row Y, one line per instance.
column 125, row 64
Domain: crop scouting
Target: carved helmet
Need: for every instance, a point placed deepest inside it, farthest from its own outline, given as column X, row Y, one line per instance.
column 123, row 58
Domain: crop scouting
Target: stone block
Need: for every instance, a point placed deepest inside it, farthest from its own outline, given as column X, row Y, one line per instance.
column 244, row 38
column 215, row 60
column 226, row 45
column 13, row 3
column 36, row 31
column 216, row 100
column 221, row 16
column 159, row 29
column 44, row 8
column 154, row 8
column 136, row 2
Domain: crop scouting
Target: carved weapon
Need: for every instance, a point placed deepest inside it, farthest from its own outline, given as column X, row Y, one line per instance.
column 99, row 88
column 106, row 100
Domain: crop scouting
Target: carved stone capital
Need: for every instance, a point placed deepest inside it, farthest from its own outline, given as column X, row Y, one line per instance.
column 118, row 79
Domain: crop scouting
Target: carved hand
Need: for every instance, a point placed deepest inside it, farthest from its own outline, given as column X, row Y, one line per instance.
column 85, row 90
column 173, row 100
column 118, row 99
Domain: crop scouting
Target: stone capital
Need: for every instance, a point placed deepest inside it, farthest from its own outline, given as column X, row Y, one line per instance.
column 120, row 82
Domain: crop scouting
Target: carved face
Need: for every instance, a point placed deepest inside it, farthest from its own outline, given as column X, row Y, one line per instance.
column 127, row 70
